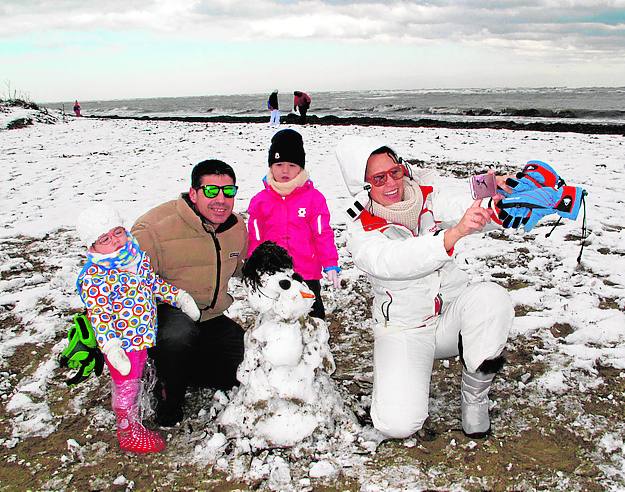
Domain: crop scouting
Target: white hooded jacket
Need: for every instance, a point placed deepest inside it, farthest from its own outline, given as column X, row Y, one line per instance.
column 411, row 273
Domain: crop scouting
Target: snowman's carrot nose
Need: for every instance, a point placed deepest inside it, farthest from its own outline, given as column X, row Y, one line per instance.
column 306, row 295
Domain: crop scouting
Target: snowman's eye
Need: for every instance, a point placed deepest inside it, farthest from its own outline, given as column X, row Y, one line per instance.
column 285, row 284
column 298, row 277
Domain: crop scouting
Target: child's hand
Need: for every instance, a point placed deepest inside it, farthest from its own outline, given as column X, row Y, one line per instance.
column 116, row 356
column 333, row 276
column 187, row 305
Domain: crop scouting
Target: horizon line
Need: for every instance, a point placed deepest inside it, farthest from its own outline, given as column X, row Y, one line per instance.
column 430, row 89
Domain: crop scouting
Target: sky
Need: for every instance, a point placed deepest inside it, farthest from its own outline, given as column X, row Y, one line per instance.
column 60, row 50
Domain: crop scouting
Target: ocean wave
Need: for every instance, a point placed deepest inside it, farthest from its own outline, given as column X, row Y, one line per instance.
column 532, row 113
column 407, row 110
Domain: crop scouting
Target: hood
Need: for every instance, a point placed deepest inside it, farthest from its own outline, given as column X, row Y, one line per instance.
column 352, row 153
column 97, row 219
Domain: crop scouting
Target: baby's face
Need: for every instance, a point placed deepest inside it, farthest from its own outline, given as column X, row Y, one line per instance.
column 110, row 241
column 285, row 171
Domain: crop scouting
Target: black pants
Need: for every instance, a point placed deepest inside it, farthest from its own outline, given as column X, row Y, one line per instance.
column 317, row 310
column 187, row 353
column 302, row 114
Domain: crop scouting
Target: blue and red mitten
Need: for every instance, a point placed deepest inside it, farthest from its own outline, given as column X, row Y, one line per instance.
column 535, row 174
column 528, row 207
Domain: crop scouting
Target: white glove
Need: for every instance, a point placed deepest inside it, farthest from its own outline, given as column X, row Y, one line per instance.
column 333, row 276
column 187, row 305
column 116, row 356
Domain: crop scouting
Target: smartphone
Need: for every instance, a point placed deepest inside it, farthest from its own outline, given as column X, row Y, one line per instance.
column 483, row 186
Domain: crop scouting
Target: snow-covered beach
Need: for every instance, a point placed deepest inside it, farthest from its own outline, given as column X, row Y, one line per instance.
column 558, row 406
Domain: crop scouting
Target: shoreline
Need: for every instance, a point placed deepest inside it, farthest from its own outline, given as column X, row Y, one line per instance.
column 293, row 119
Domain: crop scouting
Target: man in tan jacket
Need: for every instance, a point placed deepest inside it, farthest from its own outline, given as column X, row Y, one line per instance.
column 196, row 243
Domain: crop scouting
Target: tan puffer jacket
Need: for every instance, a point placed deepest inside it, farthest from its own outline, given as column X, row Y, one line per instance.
column 191, row 254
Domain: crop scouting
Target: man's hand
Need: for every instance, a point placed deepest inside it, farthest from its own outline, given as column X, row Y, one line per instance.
column 474, row 220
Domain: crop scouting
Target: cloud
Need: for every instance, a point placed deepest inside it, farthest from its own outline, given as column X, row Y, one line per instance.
column 534, row 27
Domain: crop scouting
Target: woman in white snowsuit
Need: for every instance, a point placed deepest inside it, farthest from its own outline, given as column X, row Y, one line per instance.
column 401, row 232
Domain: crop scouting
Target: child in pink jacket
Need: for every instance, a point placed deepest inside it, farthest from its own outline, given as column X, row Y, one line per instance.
column 295, row 215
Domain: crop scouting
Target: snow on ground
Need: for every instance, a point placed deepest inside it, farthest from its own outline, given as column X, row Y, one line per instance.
column 557, row 407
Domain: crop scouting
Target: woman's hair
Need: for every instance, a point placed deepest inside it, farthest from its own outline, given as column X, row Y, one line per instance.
column 386, row 150
column 383, row 150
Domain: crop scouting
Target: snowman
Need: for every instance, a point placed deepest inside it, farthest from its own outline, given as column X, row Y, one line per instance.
column 286, row 394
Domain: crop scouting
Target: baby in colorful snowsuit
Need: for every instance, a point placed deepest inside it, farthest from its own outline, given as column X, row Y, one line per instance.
column 120, row 290
column 295, row 215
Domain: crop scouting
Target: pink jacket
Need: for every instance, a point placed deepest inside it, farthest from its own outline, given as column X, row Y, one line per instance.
column 299, row 222
column 302, row 100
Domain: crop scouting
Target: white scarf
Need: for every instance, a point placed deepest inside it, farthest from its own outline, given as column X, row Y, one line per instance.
column 406, row 212
column 284, row 189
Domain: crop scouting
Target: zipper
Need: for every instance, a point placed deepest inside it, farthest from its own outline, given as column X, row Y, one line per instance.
column 217, row 280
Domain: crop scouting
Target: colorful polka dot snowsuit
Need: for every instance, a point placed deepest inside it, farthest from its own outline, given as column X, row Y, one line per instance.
column 122, row 304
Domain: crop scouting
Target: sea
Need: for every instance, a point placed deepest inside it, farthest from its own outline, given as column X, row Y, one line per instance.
column 596, row 105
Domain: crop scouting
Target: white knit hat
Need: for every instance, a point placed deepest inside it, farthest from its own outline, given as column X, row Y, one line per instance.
column 95, row 220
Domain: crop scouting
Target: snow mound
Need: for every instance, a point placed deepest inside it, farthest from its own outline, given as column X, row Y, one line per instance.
column 19, row 114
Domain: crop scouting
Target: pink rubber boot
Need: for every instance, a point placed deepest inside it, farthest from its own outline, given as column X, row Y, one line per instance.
column 126, row 390
column 131, row 433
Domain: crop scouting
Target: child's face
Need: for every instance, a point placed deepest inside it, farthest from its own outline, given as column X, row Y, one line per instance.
column 110, row 241
column 285, row 171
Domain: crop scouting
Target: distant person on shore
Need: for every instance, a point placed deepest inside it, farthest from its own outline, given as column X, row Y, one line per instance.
column 197, row 244
column 273, row 106
column 77, row 108
column 301, row 102
column 120, row 291
column 292, row 213
column 402, row 233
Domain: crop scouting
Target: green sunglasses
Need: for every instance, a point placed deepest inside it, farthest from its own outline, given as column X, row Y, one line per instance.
column 211, row 191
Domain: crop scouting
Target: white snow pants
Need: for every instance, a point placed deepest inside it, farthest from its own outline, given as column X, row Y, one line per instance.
column 274, row 120
column 403, row 358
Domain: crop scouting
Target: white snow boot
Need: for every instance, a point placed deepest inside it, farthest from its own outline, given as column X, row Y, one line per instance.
column 474, row 403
